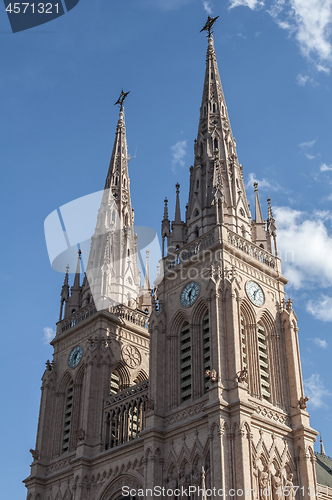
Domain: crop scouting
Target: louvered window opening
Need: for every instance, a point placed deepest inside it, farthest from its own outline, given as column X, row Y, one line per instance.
column 185, row 363
column 68, row 414
column 206, row 351
column 114, row 383
column 263, row 364
column 244, row 346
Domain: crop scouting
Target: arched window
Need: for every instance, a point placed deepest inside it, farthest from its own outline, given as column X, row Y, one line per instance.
column 216, row 144
column 185, row 363
column 197, row 184
column 264, row 371
column 68, row 416
column 197, row 232
column 206, row 351
column 214, row 108
column 115, row 383
column 116, row 180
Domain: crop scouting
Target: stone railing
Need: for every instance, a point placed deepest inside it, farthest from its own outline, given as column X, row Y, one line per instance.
column 77, row 317
column 125, row 415
column 131, row 315
column 142, row 387
column 251, row 249
column 189, row 250
column 121, row 311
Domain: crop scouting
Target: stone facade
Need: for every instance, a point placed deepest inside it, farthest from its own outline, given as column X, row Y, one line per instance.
column 208, row 394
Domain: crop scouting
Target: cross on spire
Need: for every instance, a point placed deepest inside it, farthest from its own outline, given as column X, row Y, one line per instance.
column 121, row 99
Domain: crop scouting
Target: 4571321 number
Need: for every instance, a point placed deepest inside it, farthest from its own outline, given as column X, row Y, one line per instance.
column 32, row 8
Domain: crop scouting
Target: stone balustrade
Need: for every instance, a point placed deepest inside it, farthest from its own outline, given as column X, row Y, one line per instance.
column 124, row 415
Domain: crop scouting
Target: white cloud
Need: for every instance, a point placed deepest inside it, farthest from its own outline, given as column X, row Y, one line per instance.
column 252, row 4
column 321, row 309
column 325, row 168
column 307, row 144
column 207, row 4
column 320, row 342
column 310, row 157
column 178, row 152
column 309, row 21
column 264, row 183
column 316, row 391
column 302, row 79
column 305, row 247
column 49, row 334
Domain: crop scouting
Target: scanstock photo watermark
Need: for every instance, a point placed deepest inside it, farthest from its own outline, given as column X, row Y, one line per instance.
column 26, row 15
column 197, row 492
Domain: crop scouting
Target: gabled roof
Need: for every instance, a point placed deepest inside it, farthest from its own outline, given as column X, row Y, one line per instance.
column 324, row 469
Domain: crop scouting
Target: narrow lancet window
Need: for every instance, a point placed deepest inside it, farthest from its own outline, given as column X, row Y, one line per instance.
column 68, row 414
column 185, row 363
column 206, row 351
column 264, row 364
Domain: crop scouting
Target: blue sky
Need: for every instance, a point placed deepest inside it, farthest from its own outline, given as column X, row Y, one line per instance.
column 58, row 86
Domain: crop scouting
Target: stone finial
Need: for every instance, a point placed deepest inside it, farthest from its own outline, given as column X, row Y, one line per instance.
column 289, row 305
column 165, row 208
column 322, row 450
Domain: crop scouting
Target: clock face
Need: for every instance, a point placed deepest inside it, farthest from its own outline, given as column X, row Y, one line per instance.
column 255, row 293
column 75, row 356
column 189, row 294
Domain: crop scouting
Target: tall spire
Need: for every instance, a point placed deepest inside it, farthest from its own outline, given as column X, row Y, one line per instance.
column 216, row 177
column 112, row 268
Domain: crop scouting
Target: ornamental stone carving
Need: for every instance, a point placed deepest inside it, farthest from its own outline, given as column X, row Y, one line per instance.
column 131, row 356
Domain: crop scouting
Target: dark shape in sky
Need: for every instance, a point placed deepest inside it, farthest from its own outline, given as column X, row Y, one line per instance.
column 26, row 15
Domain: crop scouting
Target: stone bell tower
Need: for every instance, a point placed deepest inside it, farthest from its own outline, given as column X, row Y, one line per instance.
column 101, row 349
column 225, row 369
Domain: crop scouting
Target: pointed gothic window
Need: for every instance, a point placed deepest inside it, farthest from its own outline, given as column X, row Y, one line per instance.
column 211, row 76
column 215, row 143
column 197, row 232
column 185, row 363
column 264, row 371
column 206, row 351
column 214, row 108
column 197, row 184
column 68, row 414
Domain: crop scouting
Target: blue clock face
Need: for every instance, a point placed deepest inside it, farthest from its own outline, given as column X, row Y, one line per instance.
column 189, row 294
column 75, row 356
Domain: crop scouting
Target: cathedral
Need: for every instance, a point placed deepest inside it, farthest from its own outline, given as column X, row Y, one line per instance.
column 191, row 387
